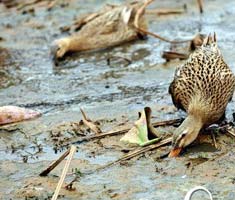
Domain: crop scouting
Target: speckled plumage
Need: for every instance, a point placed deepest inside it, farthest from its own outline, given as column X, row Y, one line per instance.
column 204, row 81
column 110, row 27
column 202, row 86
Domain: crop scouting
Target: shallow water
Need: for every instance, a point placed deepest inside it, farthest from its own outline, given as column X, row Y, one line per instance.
column 113, row 93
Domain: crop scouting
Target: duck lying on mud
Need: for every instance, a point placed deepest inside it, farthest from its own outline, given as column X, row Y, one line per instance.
column 110, row 28
column 202, row 87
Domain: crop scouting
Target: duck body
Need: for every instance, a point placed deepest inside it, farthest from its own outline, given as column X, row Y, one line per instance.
column 202, row 87
column 113, row 27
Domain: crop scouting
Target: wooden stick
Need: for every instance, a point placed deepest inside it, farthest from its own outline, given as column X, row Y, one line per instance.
column 136, row 24
column 128, row 61
column 165, row 11
column 89, row 123
column 124, row 130
column 65, row 170
column 102, row 135
column 168, row 122
column 214, row 140
column 54, row 164
column 230, row 131
column 170, row 55
column 127, row 157
column 138, row 152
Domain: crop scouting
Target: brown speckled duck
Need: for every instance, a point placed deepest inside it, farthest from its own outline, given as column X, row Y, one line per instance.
column 202, row 87
column 107, row 29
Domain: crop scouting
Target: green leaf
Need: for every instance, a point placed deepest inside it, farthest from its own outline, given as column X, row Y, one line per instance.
column 138, row 134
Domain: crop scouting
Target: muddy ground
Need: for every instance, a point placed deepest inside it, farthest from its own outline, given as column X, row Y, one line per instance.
column 111, row 94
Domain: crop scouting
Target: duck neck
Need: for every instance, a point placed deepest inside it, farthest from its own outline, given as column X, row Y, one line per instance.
column 199, row 110
column 79, row 43
column 192, row 125
column 193, row 121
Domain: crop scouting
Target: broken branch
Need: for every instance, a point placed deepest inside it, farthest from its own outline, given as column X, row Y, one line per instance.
column 90, row 124
column 65, row 170
column 124, row 130
column 54, row 164
column 137, row 152
column 129, row 156
column 165, row 11
column 230, row 131
column 171, row 55
column 128, row 61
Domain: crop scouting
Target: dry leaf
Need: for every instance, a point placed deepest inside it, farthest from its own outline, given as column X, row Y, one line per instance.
column 90, row 124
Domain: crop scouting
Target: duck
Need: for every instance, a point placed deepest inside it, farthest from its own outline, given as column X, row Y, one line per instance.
column 202, row 87
column 108, row 29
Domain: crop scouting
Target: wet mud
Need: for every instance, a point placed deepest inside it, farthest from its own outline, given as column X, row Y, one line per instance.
column 111, row 91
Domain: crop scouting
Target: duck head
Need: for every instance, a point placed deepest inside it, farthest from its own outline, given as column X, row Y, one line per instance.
column 59, row 48
column 185, row 134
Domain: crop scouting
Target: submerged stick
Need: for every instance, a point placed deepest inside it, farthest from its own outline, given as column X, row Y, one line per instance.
column 165, row 11
column 124, row 130
column 128, row 156
column 65, row 170
column 171, row 55
column 54, row 164
column 138, row 152
column 128, row 61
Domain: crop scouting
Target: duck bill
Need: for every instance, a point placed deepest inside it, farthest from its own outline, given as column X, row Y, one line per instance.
column 175, row 152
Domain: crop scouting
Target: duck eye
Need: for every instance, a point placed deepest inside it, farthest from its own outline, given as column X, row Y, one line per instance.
column 183, row 135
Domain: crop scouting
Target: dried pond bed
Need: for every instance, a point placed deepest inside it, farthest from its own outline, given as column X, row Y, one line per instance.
column 112, row 94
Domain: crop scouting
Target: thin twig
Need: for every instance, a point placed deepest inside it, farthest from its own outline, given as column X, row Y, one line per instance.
column 65, row 170
column 137, row 152
column 128, row 61
column 124, row 130
column 214, row 140
column 165, row 11
column 128, row 156
column 139, row 13
column 90, row 124
column 54, row 164
column 230, row 131
column 170, row 55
